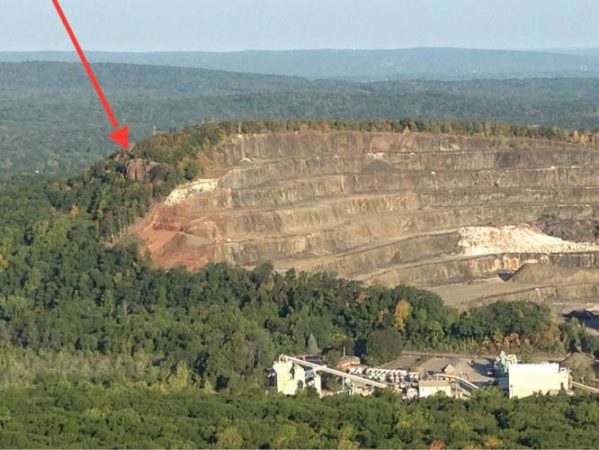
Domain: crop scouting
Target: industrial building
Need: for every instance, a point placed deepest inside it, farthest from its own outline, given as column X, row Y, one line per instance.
column 292, row 377
column 529, row 379
column 429, row 388
column 293, row 374
column 522, row 380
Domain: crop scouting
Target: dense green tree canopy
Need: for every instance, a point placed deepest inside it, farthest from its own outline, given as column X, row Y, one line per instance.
column 182, row 357
column 83, row 415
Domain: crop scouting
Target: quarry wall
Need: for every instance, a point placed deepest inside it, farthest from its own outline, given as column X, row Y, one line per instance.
column 391, row 208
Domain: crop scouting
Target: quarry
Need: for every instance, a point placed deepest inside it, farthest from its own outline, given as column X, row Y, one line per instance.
column 472, row 218
column 419, row 375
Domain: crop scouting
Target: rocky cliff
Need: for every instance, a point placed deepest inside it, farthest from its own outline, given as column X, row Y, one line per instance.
column 444, row 212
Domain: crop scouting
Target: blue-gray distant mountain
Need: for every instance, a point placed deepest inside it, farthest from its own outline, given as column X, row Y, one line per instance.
column 363, row 65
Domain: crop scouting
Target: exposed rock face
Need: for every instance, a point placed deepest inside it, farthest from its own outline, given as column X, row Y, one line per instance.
column 570, row 229
column 382, row 207
column 138, row 169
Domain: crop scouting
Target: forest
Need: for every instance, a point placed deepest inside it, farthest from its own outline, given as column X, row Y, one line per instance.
column 98, row 347
column 66, row 126
column 83, row 415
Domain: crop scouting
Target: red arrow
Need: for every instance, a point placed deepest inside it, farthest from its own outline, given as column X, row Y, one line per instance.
column 121, row 134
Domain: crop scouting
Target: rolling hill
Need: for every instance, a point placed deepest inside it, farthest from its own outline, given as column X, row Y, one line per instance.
column 51, row 122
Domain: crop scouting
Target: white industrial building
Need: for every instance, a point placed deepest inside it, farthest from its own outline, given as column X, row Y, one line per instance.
column 528, row 379
column 428, row 388
column 291, row 378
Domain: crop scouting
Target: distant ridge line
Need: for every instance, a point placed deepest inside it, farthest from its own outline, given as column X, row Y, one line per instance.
column 436, row 63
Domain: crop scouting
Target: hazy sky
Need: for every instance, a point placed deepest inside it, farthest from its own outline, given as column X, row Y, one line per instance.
column 218, row 25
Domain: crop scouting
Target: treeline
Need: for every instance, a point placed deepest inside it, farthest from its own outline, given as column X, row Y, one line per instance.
column 174, row 148
column 104, row 195
column 52, row 123
column 59, row 414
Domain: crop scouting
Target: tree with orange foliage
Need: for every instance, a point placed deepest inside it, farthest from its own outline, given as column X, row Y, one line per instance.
column 402, row 312
column 492, row 442
column 437, row 445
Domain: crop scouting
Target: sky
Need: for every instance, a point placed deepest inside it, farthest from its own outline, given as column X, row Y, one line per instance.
column 228, row 25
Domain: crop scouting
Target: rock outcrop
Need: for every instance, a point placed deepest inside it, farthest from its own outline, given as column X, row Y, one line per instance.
column 138, row 169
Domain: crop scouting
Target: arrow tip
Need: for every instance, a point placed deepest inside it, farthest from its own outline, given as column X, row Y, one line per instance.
column 121, row 137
